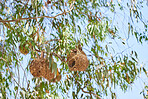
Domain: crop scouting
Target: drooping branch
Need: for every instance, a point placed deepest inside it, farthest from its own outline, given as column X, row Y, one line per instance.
column 25, row 8
column 2, row 59
column 61, row 58
column 15, row 20
column 90, row 93
column 8, row 25
column 98, row 97
column 55, row 54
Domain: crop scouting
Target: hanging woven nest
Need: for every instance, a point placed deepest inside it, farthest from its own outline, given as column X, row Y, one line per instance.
column 77, row 60
column 57, row 78
column 51, row 76
column 39, row 67
column 23, row 49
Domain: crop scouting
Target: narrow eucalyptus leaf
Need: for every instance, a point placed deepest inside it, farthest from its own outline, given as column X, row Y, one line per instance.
column 50, row 62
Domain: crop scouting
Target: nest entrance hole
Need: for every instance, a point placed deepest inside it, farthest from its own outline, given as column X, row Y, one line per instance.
column 72, row 63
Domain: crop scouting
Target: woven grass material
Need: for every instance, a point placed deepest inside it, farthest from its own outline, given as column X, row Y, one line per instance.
column 73, row 53
column 77, row 60
column 23, row 50
column 40, row 68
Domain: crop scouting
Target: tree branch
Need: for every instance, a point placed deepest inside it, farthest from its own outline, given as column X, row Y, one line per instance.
column 8, row 25
column 55, row 54
column 25, row 8
column 90, row 93
column 2, row 59
column 15, row 20
column 98, row 97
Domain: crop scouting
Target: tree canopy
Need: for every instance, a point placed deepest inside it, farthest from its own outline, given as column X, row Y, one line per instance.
column 32, row 29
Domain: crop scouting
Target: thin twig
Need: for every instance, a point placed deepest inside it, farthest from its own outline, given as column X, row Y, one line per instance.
column 8, row 25
column 18, row 82
column 52, row 40
column 86, row 91
column 12, row 75
column 2, row 59
column 55, row 54
column 90, row 93
column 25, row 8
column 13, row 78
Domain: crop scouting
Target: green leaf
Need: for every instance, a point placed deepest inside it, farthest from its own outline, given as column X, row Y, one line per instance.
column 81, row 95
column 134, row 60
column 16, row 88
column 73, row 94
column 136, row 55
column 31, row 30
column 145, row 71
column 54, row 68
column 106, row 48
column 27, row 26
column 50, row 62
column 123, row 43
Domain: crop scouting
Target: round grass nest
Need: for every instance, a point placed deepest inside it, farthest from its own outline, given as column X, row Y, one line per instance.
column 39, row 67
column 77, row 60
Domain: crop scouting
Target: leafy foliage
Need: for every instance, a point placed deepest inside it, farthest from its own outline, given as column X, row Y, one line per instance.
column 58, row 26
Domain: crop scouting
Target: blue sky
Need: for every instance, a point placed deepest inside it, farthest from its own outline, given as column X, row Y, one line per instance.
column 142, row 50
